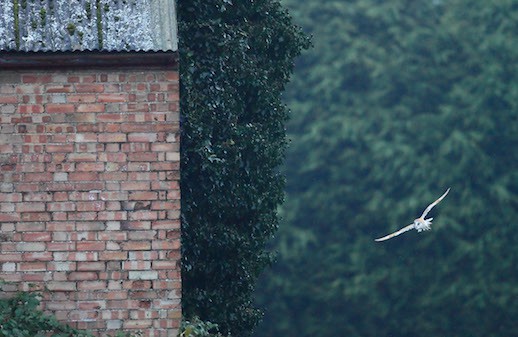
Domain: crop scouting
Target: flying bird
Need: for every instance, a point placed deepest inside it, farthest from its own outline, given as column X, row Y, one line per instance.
column 420, row 224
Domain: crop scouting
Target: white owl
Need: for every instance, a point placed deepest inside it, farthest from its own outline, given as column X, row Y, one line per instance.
column 420, row 224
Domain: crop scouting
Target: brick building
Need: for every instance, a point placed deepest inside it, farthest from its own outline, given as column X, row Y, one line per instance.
column 89, row 161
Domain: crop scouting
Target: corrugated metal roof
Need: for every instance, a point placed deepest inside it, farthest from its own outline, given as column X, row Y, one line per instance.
column 70, row 25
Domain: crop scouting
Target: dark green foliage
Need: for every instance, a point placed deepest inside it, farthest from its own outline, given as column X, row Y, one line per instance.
column 199, row 328
column 235, row 59
column 398, row 101
column 20, row 317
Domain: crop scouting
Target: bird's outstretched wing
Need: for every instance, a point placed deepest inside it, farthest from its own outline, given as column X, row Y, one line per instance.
column 429, row 208
column 401, row 231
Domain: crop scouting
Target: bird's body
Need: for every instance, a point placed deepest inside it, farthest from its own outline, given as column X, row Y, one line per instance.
column 420, row 224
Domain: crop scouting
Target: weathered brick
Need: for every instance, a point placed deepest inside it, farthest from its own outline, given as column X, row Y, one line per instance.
column 90, row 108
column 112, row 137
column 110, row 256
column 112, row 97
column 30, row 207
column 91, row 266
column 37, row 256
column 90, row 245
column 61, row 266
column 83, row 275
column 59, row 108
column 136, row 265
column 142, row 137
column 36, row 236
column 61, row 206
column 80, row 88
column 143, row 275
column 61, row 286
column 135, row 185
column 136, row 245
column 89, row 167
column 31, row 266
column 60, row 148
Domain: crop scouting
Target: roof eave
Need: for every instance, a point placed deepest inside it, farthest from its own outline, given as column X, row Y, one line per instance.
column 87, row 59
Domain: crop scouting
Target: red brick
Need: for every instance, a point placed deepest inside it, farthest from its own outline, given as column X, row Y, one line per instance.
column 143, row 215
column 112, row 97
column 165, row 224
column 11, row 257
column 90, row 108
column 139, row 166
column 165, row 205
column 112, row 215
column 76, row 195
column 60, row 148
column 90, row 167
column 165, row 185
column 163, row 147
column 113, row 195
column 61, row 207
column 135, row 147
column 60, row 246
column 32, row 266
column 143, row 157
column 167, row 265
column 36, row 236
column 135, row 185
column 61, row 286
column 113, row 157
column 91, row 266
column 110, row 117
column 90, row 245
column 26, row 78
column 37, row 256
column 83, row 176
column 30, row 207
column 81, row 98
column 136, row 245
column 75, row 256
column 142, row 176
column 30, row 108
column 82, row 157
column 142, row 137
column 80, row 88
column 112, row 138
column 136, row 265
column 8, row 99
column 11, row 197
column 167, row 245
column 82, row 275
column 143, row 195
column 35, row 216
column 59, row 108
column 64, row 88
column 139, row 127
column 172, row 76
column 113, row 255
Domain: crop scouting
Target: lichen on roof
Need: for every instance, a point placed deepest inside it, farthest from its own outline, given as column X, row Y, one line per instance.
column 69, row 25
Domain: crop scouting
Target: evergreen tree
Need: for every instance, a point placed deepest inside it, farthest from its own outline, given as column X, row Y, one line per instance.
column 398, row 101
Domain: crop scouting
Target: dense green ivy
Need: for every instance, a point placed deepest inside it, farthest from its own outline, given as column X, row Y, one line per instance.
column 398, row 101
column 235, row 60
column 20, row 317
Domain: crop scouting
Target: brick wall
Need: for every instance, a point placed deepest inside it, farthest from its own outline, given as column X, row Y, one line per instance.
column 89, row 195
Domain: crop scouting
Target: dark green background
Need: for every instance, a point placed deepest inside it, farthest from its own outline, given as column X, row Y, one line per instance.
column 397, row 101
